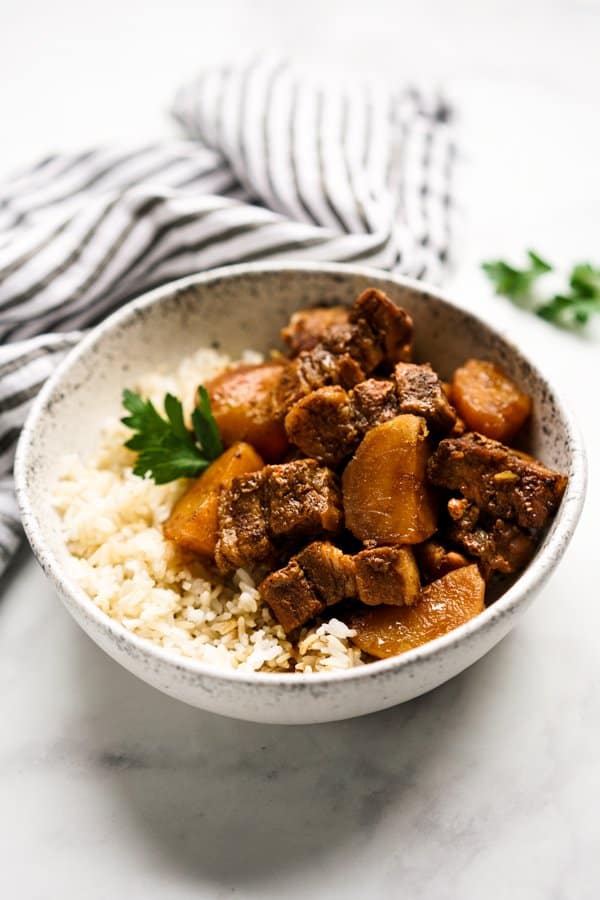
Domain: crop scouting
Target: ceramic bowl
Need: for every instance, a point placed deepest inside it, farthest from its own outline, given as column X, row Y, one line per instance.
column 236, row 308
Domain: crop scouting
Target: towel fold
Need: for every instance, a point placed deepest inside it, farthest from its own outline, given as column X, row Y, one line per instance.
column 277, row 164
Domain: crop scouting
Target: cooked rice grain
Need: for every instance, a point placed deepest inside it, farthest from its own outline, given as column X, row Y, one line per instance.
column 112, row 522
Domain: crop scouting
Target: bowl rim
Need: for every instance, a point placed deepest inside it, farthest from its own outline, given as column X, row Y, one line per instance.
column 532, row 577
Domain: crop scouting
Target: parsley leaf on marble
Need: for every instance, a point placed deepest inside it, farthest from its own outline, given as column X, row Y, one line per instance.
column 570, row 308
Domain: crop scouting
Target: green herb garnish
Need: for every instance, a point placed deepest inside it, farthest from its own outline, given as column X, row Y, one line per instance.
column 516, row 283
column 166, row 448
column 571, row 308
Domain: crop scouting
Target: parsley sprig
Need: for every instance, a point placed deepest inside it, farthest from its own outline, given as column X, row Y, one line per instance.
column 166, row 448
column 571, row 308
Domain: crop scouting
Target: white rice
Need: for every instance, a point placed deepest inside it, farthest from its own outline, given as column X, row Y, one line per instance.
column 112, row 522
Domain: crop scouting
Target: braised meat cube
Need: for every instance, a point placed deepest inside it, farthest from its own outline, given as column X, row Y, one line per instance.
column 320, row 366
column 391, row 325
column 420, row 392
column 348, row 351
column 303, row 499
column 329, row 424
column 243, row 536
column 358, row 340
column 308, row 327
column 322, row 575
column 291, row 597
column 496, row 479
column 374, row 402
column 329, row 570
column 435, row 560
column 387, row 575
column 312, row 370
column 261, row 511
column 323, row 425
column 377, row 330
column 513, row 548
column 499, row 546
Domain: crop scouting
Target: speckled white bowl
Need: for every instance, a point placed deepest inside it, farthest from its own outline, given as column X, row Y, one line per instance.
column 235, row 308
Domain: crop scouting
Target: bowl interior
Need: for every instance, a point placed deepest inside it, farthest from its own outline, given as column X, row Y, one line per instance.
column 235, row 311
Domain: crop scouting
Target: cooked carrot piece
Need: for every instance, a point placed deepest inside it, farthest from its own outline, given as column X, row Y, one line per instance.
column 443, row 605
column 243, row 404
column 488, row 400
column 386, row 497
column 193, row 521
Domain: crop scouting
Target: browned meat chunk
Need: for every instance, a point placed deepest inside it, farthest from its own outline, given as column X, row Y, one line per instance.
column 329, row 424
column 329, row 570
column 420, row 391
column 513, row 547
column 291, row 597
column 312, row 370
column 387, row 575
column 376, row 576
column 321, row 366
column 376, row 331
column 435, row 560
column 498, row 480
column 243, row 537
column 391, row 325
column 499, row 546
column 307, row 327
column 358, row 340
column 303, row 499
column 374, row 402
column 323, row 425
column 261, row 511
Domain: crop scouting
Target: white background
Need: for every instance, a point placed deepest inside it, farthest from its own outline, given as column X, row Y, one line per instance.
column 490, row 786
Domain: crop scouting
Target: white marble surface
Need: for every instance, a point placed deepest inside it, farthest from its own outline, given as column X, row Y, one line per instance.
column 488, row 787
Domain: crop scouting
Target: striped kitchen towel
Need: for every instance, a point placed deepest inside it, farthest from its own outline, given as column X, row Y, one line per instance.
column 277, row 163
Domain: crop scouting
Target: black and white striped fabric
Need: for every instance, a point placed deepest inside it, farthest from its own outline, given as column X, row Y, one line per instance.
column 277, row 164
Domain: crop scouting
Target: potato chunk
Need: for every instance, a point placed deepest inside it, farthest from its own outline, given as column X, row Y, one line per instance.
column 489, row 401
column 193, row 521
column 243, row 403
column 386, row 497
column 443, row 605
